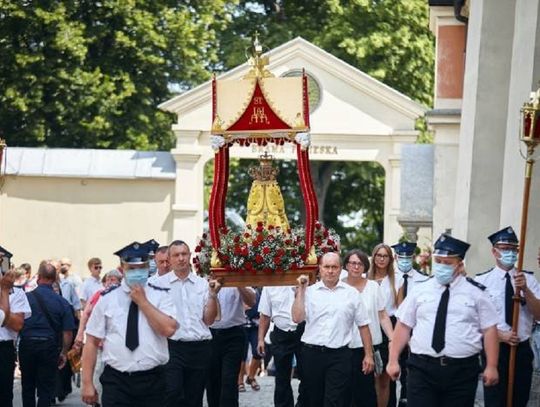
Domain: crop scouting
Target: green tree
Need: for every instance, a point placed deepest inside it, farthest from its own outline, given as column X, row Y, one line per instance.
column 83, row 73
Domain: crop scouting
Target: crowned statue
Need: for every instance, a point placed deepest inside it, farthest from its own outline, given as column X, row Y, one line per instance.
column 265, row 202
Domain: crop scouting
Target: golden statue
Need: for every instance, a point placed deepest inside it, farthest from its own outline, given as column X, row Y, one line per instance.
column 265, row 202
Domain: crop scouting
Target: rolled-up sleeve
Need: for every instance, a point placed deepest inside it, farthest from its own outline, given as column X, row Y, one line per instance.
column 406, row 313
column 97, row 321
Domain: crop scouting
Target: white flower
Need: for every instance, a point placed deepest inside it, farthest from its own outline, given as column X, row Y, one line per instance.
column 217, row 142
column 304, row 139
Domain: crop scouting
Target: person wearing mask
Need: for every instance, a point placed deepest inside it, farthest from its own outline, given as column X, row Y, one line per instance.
column 133, row 321
column 449, row 317
column 330, row 309
column 502, row 281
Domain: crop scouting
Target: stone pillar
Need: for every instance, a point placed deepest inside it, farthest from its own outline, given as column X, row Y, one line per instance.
column 445, row 119
column 392, row 228
column 525, row 76
column 483, row 127
column 188, row 207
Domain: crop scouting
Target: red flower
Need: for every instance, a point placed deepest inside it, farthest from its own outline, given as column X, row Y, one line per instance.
column 198, row 249
column 248, row 265
column 246, row 235
column 259, row 259
column 266, row 250
column 280, row 252
column 260, row 237
column 267, row 270
column 202, row 244
column 260, row 224
column 277, row 260
column 270, row 227
column 317, row 225
column 236, row 239
column 325, row 233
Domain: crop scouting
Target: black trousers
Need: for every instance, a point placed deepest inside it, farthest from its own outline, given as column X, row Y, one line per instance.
column 139, row 389
column 432, row 384
column 227, row 353
column 327, row 375
column 285, row 346
column 362, row 390
column 7, row 368
column 495, row 396
column 186, row 373
column 403, row 357
column 39, row 363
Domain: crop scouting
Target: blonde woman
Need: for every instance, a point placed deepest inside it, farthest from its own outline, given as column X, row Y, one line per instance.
column 382, row 271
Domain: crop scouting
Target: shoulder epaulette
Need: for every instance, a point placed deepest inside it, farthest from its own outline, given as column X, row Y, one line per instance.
column 484, row 272
column 528, row 272
column 423, row 273
column 427, row 279
column 155, row 287
column 475, row 283
column 111, row 288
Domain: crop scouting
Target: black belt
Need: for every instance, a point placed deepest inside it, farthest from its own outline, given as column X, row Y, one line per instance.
column 324, row 348
column 194, row 342
column 445, row 360
column 155, row 370
column 36, row 338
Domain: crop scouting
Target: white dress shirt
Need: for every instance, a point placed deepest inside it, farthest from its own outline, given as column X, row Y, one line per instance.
column 232, row 309
column 18, row 303
column 374, row 302
column 90, row 286
column 330, row 313
column 190, row 297
column 386, row 289
column 276, row 303
column 470, row 311
column 109, row 321
column 495, row 282
column 414, row 278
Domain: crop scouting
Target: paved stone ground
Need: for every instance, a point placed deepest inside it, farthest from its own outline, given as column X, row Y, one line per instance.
column 264, row 397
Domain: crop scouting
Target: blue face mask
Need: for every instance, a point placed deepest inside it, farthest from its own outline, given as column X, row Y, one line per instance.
column 153, row 267
column 508, row 257
column 444, row 273
column 136, row 276
column 404, row 265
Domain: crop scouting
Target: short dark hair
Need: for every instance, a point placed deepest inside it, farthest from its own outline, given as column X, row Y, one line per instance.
column 27, row 267
column 47, row 271
column 178, row 243
column 162, row 249
column 361, row 255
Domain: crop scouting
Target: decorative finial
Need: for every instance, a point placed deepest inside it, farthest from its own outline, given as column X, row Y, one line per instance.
column 257, row 61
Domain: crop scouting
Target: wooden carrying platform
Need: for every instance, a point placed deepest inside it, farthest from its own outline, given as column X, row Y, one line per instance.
column 259, row 279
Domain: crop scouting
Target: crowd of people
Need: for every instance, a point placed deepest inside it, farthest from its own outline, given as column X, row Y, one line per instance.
column 151, row 332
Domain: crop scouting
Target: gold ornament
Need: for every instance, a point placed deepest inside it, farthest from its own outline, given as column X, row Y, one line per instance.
column 265, row 202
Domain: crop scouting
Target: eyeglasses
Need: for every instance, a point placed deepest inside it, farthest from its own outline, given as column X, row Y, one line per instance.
column 355, row 263
column 382, row 256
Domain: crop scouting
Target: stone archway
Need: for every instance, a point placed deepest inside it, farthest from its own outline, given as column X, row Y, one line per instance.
column 358, row 119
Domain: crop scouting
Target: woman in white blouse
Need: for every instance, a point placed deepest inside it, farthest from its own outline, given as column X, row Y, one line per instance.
column 382, row 271
column 362, row 386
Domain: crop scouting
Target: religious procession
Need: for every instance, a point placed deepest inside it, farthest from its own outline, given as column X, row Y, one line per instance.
column 316, row 235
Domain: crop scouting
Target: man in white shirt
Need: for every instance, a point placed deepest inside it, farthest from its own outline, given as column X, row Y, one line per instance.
column 132, row 321
column 92, row 284
column 501, row 282
column 14, row 308
column 330, row 308
column 196, row 305
column 275, row 306
column 228, row 339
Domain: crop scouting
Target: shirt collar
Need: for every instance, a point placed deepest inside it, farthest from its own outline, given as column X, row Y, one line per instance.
column 502, row 273
column 320, row 285
column 124, row 286
column 190, row 277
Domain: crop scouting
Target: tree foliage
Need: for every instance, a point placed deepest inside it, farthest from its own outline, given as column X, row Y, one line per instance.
column 84, row 73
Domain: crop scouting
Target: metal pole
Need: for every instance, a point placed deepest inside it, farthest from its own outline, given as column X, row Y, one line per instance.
column 517, row 296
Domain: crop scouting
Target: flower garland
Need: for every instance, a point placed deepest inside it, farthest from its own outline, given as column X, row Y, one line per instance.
column 263, row 249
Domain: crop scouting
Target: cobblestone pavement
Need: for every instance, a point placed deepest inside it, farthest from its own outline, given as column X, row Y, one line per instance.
column 263, row 397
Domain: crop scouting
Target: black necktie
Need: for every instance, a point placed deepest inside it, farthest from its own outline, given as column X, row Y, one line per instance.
column 508, row 294
column 406, row 280
column 132, row 330
column 439, row 330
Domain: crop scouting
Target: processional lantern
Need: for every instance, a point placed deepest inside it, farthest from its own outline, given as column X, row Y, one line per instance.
column 529, row 134
column 262, row 109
